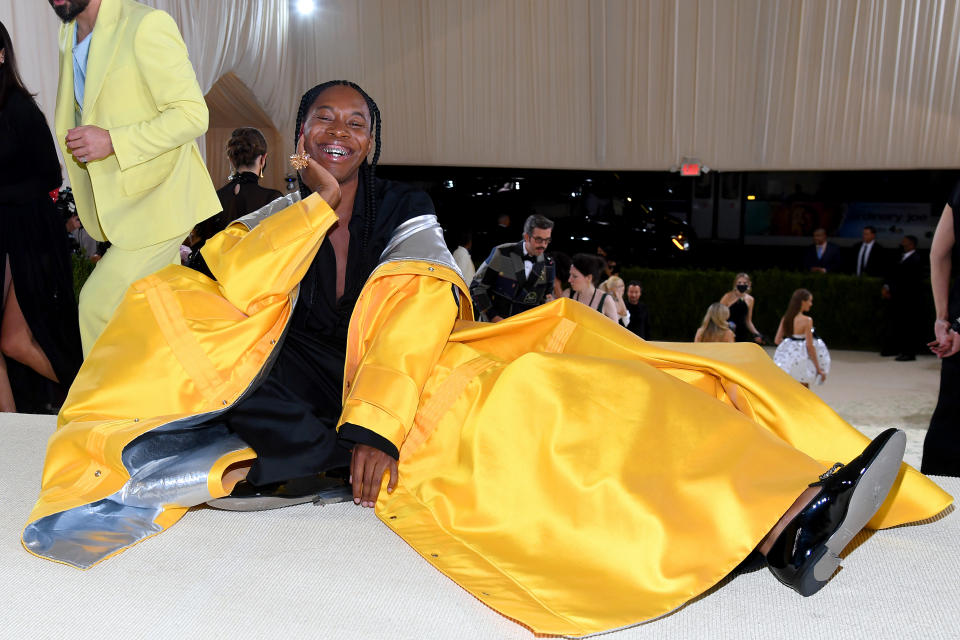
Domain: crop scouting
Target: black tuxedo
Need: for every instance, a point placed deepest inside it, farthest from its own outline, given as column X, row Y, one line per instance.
column 830, row 260
column 907, row 291
column 639, row 319
column 874, row 264
column 501, row 286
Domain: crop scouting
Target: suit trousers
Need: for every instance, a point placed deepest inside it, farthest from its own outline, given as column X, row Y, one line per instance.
column 113, row 275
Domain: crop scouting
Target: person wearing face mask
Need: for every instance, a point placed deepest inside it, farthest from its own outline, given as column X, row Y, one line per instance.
column 741, row 309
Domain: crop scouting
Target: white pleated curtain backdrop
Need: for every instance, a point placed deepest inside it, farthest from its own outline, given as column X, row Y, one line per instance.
column 607, row 84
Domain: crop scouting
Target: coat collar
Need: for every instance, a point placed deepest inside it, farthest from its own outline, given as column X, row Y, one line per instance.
column 64, row 116
column 102, row 49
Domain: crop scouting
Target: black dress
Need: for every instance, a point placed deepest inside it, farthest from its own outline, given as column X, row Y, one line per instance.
column 941, row 447
column 34, row 239
column 738, row 316
column 235, row 203
column 290, row 420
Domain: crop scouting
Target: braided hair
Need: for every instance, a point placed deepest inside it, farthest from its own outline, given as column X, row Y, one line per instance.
column 368, row 170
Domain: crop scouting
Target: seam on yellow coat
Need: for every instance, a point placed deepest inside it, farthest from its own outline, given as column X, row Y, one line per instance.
column 428, row 417
column 174, row 329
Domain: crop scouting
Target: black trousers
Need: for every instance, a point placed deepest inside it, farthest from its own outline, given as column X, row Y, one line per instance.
column 941, row 447
column 290, row 419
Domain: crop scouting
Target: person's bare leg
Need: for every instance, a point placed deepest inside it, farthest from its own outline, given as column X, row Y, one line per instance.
column 235, row 473
column 17, row 341
column 798, row 506
column 7, row 403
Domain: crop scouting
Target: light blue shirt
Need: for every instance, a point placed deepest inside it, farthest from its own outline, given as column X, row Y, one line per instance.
column 80, row 52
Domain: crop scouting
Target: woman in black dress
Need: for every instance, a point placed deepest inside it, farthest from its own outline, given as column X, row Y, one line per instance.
column 38, row 325
column 941, row 447
column 247, row 150
column 741, row 309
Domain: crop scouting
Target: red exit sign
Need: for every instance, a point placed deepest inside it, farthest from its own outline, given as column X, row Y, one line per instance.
column 690, row 169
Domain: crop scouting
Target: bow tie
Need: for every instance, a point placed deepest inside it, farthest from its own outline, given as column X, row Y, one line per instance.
column 529, row 259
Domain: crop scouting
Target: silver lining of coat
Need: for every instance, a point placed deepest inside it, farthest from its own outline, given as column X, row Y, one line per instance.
column 421, row 239
column 168, row 466
column 254, row 218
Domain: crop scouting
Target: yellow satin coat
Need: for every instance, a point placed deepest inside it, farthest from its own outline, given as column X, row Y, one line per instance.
column 570, row 475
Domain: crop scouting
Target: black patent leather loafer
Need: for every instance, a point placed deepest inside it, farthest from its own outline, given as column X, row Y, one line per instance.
column 319, row 489
column 807, row 551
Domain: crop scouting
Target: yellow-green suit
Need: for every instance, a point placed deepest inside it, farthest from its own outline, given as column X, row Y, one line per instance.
column 146, row 196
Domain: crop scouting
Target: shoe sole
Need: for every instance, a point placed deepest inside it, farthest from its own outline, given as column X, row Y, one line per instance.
column 869, row 494
column 266, row 503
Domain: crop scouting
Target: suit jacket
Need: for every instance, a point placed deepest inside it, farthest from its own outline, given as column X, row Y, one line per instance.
column 875, row 265
column 501, row 286
column 906, row 280
column 141, row 87
column 830, row 260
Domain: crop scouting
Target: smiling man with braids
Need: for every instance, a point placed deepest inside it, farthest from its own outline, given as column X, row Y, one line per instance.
column 290, row 419
column 275, row 400
column 564, row 502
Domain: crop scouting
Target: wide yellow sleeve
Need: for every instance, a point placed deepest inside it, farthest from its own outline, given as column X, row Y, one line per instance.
column 405, row 322
column 254, row 266
column 165, row 67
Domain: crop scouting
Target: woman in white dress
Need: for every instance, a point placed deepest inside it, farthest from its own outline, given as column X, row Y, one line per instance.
column 799, row 351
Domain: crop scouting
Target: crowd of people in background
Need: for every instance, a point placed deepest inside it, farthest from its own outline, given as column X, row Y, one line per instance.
column 509, row 281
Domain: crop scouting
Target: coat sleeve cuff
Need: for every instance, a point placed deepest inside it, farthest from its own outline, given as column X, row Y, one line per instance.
column 352, row 434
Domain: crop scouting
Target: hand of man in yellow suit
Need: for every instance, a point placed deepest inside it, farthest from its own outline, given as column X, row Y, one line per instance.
column 367, row 467
column 89, row 143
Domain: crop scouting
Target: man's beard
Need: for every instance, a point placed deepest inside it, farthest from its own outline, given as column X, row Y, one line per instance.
column 70, row 10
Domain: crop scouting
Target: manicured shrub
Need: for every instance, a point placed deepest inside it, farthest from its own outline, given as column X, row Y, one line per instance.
column 848, row 312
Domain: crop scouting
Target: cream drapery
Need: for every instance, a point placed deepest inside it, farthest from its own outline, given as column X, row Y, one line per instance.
column 607, row 84
column 232, row 104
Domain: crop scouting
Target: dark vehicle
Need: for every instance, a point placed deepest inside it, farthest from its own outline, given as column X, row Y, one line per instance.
column 632, row 218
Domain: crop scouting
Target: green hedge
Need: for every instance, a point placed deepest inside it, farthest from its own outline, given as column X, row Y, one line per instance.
column 848, row 312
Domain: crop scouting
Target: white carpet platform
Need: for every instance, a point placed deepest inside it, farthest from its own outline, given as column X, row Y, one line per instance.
column 337, row 572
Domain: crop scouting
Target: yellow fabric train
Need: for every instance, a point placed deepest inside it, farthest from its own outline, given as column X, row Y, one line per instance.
column 562, row 470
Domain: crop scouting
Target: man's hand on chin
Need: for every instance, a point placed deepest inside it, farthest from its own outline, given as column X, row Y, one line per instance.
column 367, row 467
column 89, row 143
